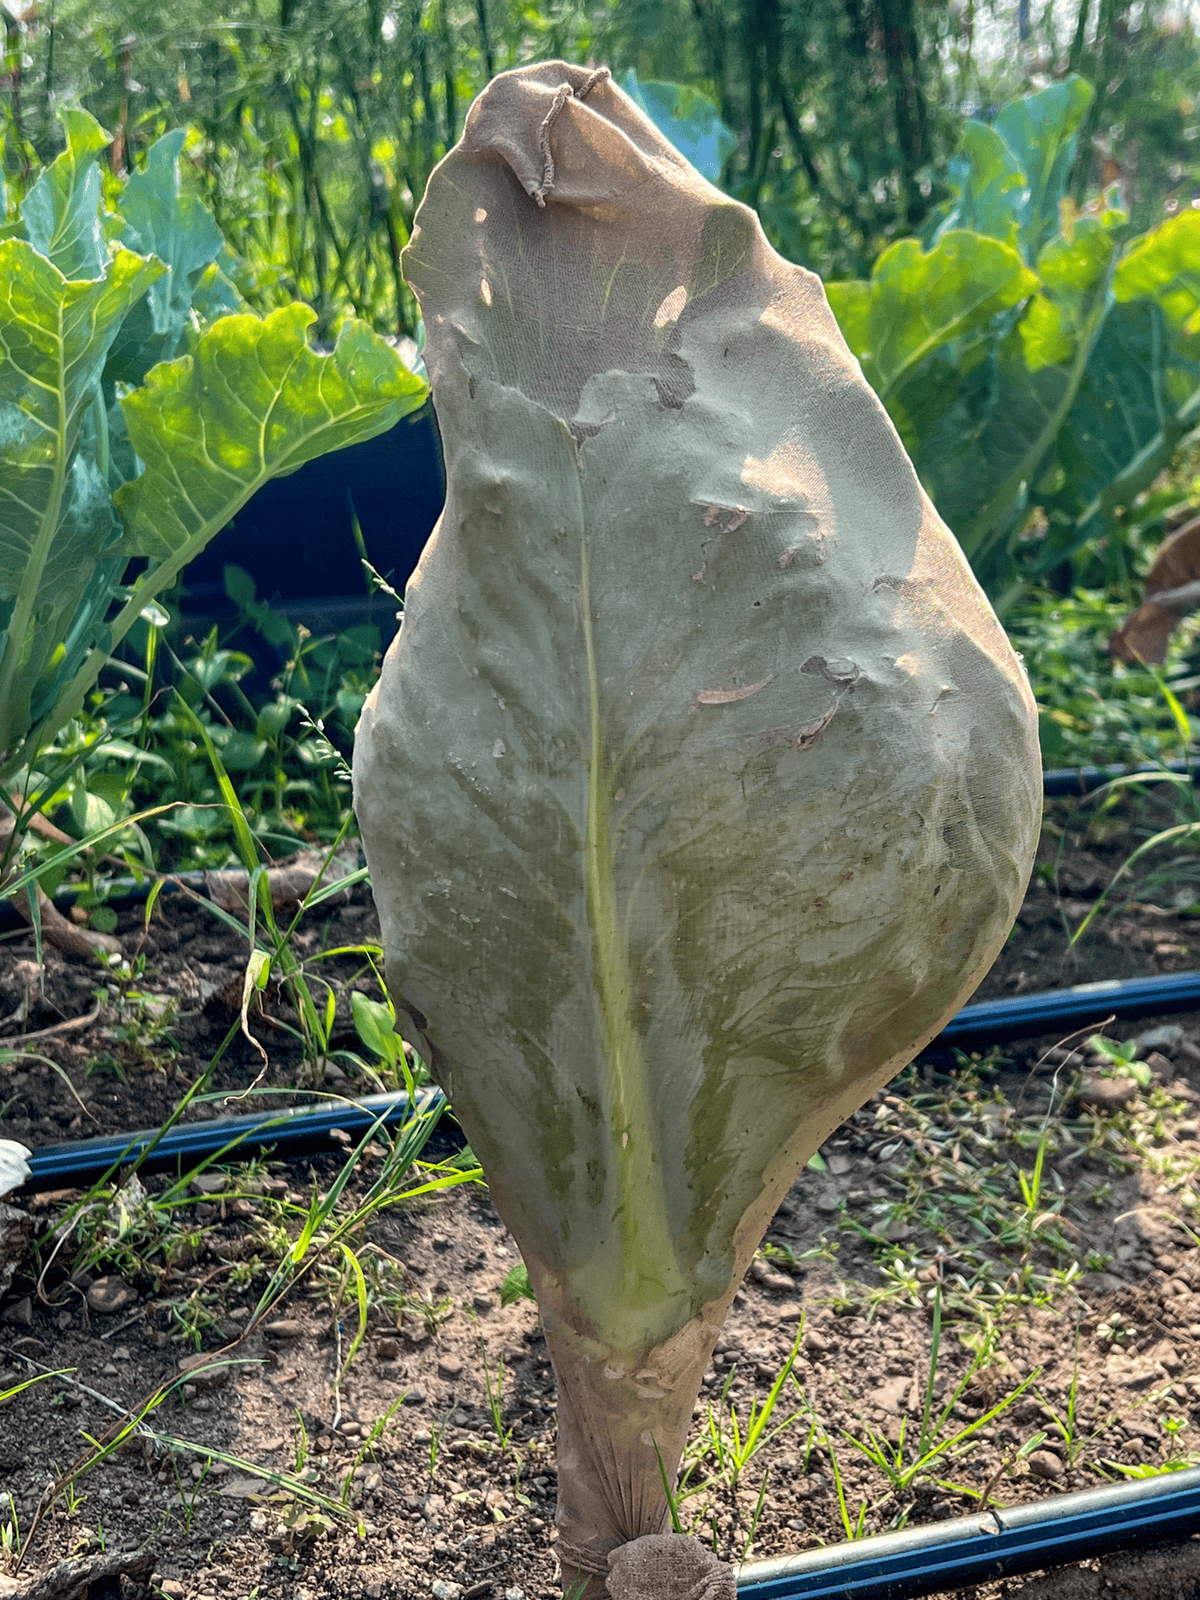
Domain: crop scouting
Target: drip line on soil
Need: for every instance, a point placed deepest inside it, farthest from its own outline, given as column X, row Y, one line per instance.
column 1084, row 780
column 297, row 1131
column 303, row 1130
column 1063, row 1010
column 990, row 1544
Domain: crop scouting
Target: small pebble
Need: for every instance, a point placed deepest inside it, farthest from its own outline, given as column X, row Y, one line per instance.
column 202, row 1375
column 449, row 1366
column 1169, row 1037
column 1045, row 1464
column 414, row 1328
column 20, row 1313
column 209, row 1183
column 387, row 1349
column 1107, row 1094
column 110, row 1295
column 779, row 1282
column 285, row 1328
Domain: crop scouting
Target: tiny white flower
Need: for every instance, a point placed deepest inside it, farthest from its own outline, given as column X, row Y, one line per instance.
column 14, row 1167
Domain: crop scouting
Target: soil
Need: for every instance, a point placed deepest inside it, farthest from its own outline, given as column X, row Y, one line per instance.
column 436, row 1447
column 112, row 1051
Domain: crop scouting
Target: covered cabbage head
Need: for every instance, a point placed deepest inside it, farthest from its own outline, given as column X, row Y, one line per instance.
column 701, row 785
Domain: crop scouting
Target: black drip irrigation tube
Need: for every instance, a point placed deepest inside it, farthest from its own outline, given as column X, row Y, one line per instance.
column 1064, row 1010
column 297, row 1131
column 305, row 1129
column 1059, row 781
column 988, row 1545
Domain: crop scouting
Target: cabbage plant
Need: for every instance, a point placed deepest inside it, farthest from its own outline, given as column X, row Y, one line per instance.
column 135, row 418
column 701, row 785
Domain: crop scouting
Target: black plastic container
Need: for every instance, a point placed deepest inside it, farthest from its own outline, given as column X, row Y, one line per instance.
column 296, row 537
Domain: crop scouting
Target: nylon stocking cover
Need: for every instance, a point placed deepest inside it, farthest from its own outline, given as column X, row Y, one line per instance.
column 701, row 785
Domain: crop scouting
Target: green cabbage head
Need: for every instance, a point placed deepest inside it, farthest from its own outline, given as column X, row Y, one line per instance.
column 701, row 785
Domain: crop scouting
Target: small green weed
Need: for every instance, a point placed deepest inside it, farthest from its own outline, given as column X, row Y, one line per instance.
column 727, row 1443
column 1094, row 711
column 936, row 1447
column 495, row 1396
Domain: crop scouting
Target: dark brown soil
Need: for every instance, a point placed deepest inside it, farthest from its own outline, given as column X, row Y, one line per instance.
column 112, row 1051
column 431, row 1500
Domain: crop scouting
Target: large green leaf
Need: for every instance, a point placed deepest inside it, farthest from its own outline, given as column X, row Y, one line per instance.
column 1071, row 270
column 1078, row 420
column 1009, row 177
column 159, row 219
column 61, row 210
column 701, row 782
column 1041, row 130
column 55, row 335
column 1066, row 402
column 254, row 402
column 921, row 300
column 984, row 432
column 850, row 302
column 1121, row 409
column 1165, row 264
column 993, row 192
column 1123, row 428
column 55, row 513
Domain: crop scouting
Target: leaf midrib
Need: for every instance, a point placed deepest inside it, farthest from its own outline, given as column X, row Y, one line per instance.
column 646, row 1272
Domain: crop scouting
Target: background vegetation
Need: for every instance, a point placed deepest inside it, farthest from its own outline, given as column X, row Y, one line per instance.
column 1003, row 198
column 313, row 124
